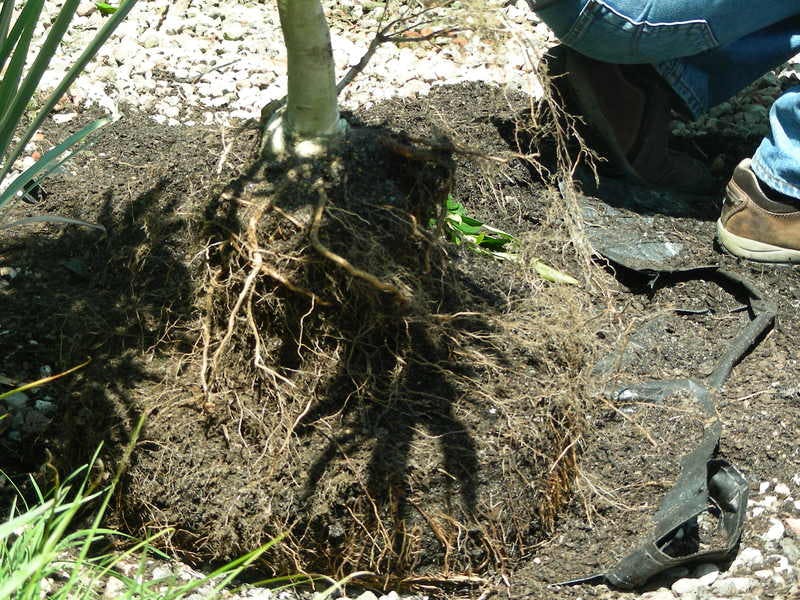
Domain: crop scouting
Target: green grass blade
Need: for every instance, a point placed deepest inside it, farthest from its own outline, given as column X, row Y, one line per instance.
column 105, row 8
column 26, row 91
column 13, row 75
column 80, row 63
column 5, row 22
column 12, row 525
column 45, row 164
column 10, row 41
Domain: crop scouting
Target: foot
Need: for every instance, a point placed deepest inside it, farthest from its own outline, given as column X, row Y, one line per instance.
column 628, row 112
column 756, row 227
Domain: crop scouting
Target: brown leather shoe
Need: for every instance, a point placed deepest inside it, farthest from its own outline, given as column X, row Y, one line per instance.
column 629, row 116
column 755, row 227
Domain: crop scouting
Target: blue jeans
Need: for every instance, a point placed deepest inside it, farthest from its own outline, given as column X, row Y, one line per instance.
column 707, row 50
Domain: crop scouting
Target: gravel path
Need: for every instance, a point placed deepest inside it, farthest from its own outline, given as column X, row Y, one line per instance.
column 211, row 62
column 225, row 58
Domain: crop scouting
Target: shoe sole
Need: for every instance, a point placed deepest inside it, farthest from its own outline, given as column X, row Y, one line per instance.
column 755, row 250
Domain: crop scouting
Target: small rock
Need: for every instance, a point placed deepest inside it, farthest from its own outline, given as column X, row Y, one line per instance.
column 86, row 8
column 775, row 531
column 44, row 407
column 17, row 401
column 777, row 581
column 749, row 558
column 61, row 118
column 794, row 527
column 658, row 595
column 733, row 585
column 782, row 489
column 8, row 272
column 763, row 574
column 707, row 573
column 764, row 487
column 390, row 596
column 114, row 589
column 686, row 585
column 259, row 594
column 780, row 564
column 232, row 31
column 150, row 39
column 367, row 596
column 790, row 549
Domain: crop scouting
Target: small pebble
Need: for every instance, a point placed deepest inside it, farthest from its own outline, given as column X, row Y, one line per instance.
column 733, row 585
column 749, row 559
column 763, row 573
column 775, row 531
column 782, row 489
column 685, row 586
column 793, row 525
column 114, row 589
column 707, row 573
column 658, row 595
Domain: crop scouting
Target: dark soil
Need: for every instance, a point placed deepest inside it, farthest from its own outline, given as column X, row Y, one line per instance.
column 462, row 430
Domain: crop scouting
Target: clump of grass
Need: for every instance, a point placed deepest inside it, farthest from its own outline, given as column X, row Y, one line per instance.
column 43, row 543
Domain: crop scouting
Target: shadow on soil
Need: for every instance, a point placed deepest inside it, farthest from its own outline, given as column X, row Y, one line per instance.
column 433, row 437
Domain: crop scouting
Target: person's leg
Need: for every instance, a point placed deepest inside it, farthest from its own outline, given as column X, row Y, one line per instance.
column 652, row 31
column 777, row 160
column 710, row 78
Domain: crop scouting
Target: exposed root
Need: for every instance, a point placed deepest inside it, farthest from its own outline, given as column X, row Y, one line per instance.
column 402, row 296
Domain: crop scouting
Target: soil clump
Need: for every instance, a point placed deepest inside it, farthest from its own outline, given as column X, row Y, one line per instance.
column 313, row 359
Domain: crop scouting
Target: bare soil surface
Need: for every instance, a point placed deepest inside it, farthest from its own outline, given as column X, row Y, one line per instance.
column 466, row 431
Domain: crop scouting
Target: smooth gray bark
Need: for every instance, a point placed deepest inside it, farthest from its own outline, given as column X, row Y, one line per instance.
column 311, row 117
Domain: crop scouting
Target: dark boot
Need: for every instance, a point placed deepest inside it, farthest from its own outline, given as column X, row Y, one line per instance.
column 628, row 113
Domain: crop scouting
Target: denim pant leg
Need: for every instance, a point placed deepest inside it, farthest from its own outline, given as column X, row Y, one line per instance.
column 707, row 50
column 777, row 160
column 712, row 77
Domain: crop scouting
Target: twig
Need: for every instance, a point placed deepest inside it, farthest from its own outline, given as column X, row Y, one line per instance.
column 385, row 35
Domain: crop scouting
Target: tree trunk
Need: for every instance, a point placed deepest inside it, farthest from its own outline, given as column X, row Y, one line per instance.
column 311, row 117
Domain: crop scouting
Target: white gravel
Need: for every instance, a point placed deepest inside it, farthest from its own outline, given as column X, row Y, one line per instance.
column 224, row 58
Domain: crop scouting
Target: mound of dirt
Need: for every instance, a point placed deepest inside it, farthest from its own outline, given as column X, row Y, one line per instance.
column 313, row 359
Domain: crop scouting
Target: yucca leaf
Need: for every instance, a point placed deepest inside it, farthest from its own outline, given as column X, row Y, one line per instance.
column 10, row 41
column 13, row 75
column 21, row 97
column 50, row 47
column 45, row 164
column 6, row 12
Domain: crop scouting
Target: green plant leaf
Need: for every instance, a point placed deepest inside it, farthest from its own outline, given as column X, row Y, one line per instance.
column 105, row 8
column 51, row 159
column 32, row 79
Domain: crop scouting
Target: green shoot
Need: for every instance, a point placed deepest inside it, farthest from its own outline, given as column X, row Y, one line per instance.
column 464, row 230
column 105, row 8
